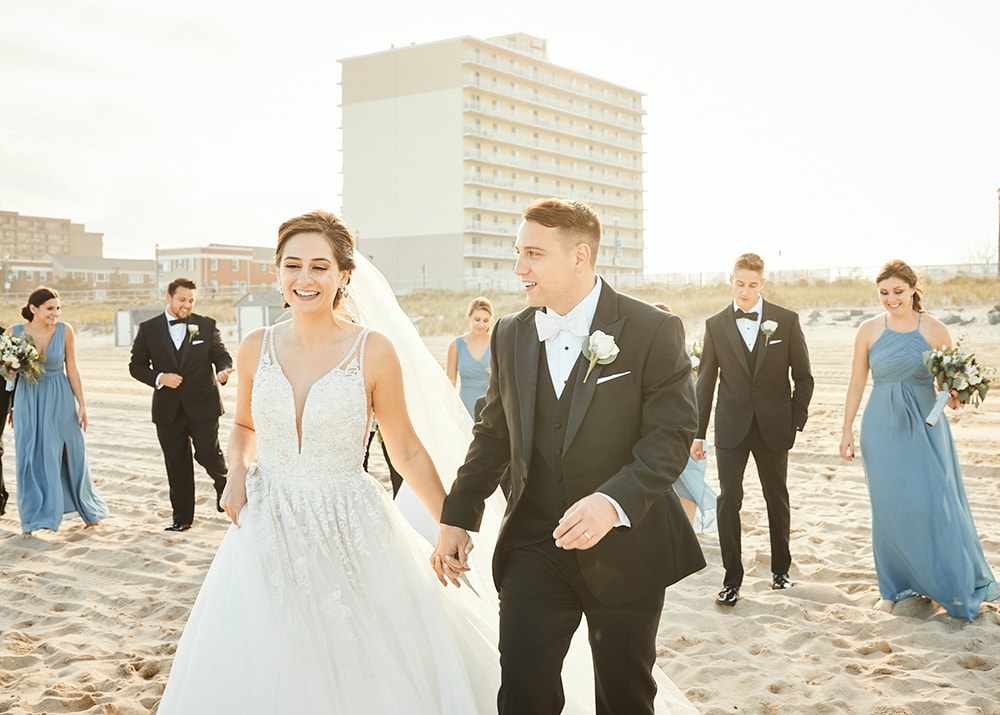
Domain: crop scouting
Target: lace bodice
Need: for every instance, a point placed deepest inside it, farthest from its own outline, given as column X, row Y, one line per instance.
column 334, row 417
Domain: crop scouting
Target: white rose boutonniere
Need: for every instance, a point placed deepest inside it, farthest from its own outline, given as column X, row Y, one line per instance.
column 768, row 327
column 192, row 331
column 599, row 349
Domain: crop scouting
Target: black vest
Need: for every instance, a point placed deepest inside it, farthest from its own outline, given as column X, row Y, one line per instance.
column 751, row 355
column 544, row 499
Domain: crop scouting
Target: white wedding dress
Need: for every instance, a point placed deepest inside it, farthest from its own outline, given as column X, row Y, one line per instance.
column 324, row 602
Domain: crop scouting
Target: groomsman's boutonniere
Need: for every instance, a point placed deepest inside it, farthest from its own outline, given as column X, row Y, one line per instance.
column 768, row 327
column 192, row 331
column 599, row 349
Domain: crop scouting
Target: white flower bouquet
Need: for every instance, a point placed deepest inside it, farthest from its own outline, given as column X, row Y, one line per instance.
column 19, row 356
column 956, row 372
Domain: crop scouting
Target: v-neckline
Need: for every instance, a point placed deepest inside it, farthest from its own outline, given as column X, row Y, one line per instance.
column 469, row 350
column 35, row 343
column 300, row 418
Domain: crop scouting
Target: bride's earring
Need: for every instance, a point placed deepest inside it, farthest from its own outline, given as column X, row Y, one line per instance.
column 346, row 303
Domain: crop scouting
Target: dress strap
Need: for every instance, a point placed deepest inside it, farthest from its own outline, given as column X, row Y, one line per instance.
column 267, row 356
column 358, row 341
column 361, row 353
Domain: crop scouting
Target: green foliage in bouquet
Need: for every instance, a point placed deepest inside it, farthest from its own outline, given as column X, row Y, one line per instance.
column 19, row 356
column 954, row 369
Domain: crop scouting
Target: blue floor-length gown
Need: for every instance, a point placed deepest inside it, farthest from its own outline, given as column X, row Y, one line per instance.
column 53, row 477
column 923, row 535
column 474, row 374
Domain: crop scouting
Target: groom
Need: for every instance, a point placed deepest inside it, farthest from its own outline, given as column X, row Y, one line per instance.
column 593, row 526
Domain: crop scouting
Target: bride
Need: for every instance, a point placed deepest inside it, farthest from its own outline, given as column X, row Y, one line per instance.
column 320, row 599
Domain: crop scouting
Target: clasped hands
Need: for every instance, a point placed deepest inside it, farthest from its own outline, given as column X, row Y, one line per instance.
column 582, row 526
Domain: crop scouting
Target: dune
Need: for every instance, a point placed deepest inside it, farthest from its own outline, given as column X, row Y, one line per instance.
column 90, row 618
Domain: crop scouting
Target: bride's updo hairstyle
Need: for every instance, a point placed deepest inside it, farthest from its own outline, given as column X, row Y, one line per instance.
column 331, row 228
column 38, row 298
column 899, row 269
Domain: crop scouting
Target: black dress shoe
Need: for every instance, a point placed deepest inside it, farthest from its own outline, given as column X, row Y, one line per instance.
column 780, row 581
column 178, row 527
column 728, row 596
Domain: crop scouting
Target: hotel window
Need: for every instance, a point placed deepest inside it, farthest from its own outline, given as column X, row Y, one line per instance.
column 213, row 264
column 236, row 264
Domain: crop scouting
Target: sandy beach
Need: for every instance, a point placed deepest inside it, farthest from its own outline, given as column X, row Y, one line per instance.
column 90, row 618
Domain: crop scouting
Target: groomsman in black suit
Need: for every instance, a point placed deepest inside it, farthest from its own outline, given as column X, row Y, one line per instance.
column 590, row 450
column 749, row 348
column 181, row 355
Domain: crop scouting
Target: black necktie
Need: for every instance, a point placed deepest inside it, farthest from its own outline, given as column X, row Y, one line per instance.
column 749, row 316
column 177, row 321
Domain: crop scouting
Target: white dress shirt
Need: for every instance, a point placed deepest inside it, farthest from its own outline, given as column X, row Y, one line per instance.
column 749, row 328
column 561, row 353
column 177, row 334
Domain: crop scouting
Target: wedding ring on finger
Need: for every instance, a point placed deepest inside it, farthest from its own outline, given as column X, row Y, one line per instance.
column 587, row 534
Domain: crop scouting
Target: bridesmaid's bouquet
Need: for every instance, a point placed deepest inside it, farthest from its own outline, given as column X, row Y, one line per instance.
column 955, row 370
column 19, row 356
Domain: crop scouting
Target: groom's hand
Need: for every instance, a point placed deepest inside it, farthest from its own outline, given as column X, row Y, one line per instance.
column 585, row 523
column 451, row 555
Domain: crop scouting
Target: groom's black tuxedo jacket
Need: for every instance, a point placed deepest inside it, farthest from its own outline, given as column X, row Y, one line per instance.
column 199, row 359
column 762, row 391
column 627, row 437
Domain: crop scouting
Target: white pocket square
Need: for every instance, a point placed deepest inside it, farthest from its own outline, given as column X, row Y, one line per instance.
column 197, row 342
column 607, row 378
column 773, row 342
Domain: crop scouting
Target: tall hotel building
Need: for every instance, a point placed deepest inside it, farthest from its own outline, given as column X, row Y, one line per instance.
column 445, row 143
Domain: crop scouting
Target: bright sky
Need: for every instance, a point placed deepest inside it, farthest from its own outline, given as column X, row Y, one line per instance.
column 816, row 134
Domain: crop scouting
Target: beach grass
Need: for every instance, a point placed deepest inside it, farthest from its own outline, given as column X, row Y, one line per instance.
column 442, row 312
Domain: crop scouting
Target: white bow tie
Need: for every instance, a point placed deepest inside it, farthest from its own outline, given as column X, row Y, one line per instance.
column 549, row 325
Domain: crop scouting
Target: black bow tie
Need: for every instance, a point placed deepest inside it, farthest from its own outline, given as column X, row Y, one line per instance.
column 177, row 321
column 749, row 316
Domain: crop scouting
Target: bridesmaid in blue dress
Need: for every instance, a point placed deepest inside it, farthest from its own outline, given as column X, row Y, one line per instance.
column 923, row 536
column 472, row 372
column 49, row 419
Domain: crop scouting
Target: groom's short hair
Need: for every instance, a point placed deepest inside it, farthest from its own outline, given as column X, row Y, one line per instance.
column 181, row 283
column 577, row 221
column 749, row 262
